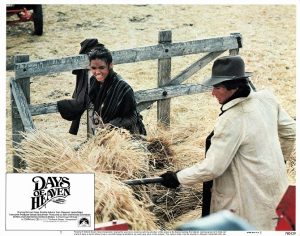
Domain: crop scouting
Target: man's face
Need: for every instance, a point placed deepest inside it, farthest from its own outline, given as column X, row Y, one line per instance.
column 222, row 93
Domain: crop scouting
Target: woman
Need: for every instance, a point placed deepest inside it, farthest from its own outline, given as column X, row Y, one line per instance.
column 73, row 109
column 113, row 99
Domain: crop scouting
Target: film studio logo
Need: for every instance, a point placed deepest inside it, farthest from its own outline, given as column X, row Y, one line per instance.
column 84, row 221
column 54, row 189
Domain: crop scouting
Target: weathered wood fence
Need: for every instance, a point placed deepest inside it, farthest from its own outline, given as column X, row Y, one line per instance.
column 22, row 110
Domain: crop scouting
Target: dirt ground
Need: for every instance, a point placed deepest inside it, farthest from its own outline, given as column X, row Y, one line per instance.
column 269, row 51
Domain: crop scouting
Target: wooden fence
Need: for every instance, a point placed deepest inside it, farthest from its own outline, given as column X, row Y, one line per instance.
column 22, row 110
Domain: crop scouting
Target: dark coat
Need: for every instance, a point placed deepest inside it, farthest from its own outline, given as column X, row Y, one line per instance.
column 72, row 109
column 114, row 101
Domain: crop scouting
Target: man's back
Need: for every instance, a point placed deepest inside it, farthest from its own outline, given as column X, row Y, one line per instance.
column 257, row 174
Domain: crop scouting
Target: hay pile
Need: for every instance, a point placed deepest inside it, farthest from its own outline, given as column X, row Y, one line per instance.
column 113, row 200
column 113, row 155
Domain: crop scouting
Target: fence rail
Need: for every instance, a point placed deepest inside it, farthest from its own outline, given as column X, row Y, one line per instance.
column 142, row 97
column 160, row 51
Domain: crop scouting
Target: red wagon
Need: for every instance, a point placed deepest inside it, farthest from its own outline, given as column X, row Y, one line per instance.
column 25, row 13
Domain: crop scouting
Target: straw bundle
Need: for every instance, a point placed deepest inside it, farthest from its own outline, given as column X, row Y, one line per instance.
column 170, row 204
column 189, row 216
column 180, row 147
column 161, row 153
column 291, row 167
column 174, row 149
column 116, row 201
column 43, row 153
column 115, row 152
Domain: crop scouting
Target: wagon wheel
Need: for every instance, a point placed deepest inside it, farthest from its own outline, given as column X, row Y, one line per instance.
column 38, row 19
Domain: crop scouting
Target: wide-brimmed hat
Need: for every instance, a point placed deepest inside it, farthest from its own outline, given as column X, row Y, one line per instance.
column 225, row 69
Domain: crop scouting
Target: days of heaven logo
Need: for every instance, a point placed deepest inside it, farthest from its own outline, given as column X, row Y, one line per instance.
column 54, row 189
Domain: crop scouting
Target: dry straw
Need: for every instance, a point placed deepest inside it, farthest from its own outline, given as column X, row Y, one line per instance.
column 116, row 201
column 181, row 146
column 173, row 150
column 182, row 219
column 113, row 200
column 116, row 152
column 45, row 153
column 291, row 167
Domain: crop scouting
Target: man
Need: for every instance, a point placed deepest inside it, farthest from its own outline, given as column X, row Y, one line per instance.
column 246, row 152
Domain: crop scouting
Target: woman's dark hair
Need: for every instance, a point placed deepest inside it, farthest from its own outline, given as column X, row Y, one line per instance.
column 102, row 53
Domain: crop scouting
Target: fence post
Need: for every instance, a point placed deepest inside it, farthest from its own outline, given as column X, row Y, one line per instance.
column 234, row 52
column 17, row 125
column 164, row 77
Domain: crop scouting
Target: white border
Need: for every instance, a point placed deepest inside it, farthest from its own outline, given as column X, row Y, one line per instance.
column 3, row 84
column 214, row 2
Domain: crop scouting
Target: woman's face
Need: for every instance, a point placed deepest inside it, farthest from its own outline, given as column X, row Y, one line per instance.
column 222, row 94
column 99, row 69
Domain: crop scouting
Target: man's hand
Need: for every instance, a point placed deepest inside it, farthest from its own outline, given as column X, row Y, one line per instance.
column 170, row 180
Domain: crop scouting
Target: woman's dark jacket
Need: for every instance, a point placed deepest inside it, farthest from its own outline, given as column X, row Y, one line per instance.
column 115, row 103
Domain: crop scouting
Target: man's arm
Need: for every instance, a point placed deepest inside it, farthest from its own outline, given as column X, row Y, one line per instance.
column 286, row 132
column 224, row 146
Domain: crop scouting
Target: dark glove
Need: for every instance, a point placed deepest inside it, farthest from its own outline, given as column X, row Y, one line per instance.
column 170, row 180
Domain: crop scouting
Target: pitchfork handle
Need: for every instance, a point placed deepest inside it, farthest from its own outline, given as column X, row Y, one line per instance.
column 154, row 180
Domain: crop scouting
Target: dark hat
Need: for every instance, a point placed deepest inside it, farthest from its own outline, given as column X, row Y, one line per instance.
column 88, row 44
column 225, row 69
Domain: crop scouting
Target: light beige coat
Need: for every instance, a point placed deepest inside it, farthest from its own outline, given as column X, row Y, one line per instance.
column 245, row 159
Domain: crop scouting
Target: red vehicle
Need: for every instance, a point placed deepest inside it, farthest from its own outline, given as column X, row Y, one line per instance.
column 25, row 13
